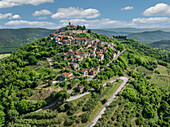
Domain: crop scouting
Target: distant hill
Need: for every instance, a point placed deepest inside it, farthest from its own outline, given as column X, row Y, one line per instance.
column 150, row 36
column 127, row 31
column 11, row 39
column 164, row 44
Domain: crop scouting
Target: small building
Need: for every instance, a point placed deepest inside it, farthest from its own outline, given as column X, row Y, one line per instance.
column 64, row 75
column 89, row 45
column 84, row 72
column 100, row 57
column 92, row 51
column 92, row 72
column 97, row 69
column 75, row 66
column 80, row 88
column 70, row 50
column 93, row 55
column 114, row 55
column 94, row 48
column 57, row 39
column 65, row 54
column 118, row 51
column 67, row 41
column 88, row 54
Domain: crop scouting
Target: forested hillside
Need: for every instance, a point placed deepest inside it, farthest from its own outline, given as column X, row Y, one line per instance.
column 163, row 44
column 12, row 39
column 29, row 80
column 150, row 36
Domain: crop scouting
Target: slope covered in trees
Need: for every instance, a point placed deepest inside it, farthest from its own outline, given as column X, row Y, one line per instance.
column 11, row 39
column 27, row 69
column 150, row 36
column 164, row 44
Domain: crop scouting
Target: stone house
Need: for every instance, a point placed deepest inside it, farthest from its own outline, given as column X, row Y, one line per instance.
column 80, row 88
column 92, row 72
column 64, row 75
column 100, row 57
column 84, row 72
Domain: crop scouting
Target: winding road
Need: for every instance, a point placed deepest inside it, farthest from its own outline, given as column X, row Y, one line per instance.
column 125, row 79
column 72, row 98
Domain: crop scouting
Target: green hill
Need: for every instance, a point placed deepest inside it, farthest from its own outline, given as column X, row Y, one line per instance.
column 150, row 36
column 164, row 44
column 11, row 39
column 43, row 73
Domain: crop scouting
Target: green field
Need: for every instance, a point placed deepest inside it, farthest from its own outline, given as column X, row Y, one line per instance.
column 4, row 55
column 162, row 79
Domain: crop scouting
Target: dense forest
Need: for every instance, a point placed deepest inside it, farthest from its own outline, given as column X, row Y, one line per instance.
column 141, row 103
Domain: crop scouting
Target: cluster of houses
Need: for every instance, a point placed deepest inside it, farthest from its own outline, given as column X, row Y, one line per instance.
column 79, row 56
column 63, row 36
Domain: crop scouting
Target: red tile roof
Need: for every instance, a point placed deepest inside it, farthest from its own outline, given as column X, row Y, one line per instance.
column 82, row 86
column 85, row 69
column 101, row 54
column 65, row 73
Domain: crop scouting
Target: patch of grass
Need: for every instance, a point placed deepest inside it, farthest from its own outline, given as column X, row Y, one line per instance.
column 163, row 70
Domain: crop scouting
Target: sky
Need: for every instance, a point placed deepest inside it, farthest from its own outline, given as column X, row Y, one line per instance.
column 96, row 14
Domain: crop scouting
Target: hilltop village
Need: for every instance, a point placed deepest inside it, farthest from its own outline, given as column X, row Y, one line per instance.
column 89, row 48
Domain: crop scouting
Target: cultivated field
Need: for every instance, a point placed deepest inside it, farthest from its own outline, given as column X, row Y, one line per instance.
column 162, row 79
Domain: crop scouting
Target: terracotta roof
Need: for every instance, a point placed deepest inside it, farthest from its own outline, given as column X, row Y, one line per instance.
column 79, row 53
column 71, row 76
column 101, row 54
column 65, row 73
column 85, row 69
column 74, row 63
column 82, row 86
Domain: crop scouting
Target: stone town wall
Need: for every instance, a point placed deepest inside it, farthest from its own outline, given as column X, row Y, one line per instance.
column 76, row 31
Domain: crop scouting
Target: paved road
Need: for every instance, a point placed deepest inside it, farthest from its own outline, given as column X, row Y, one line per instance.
column 125, row 79
column 72, row 98
column 46, row 107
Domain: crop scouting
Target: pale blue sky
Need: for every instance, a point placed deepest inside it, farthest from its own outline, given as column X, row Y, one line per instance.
column 92, row 13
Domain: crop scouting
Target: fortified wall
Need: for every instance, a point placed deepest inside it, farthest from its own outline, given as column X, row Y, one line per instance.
column 76, row 31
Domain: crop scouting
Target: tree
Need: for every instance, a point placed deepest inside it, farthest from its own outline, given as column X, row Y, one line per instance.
column 32, row 60
column 139, row 121
column 89, row 31
column 2, row 118
column 12, row 114
column 104, row 101
column 84, row 117
column 148, row 111
column 164, row 106
column 63, row 95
